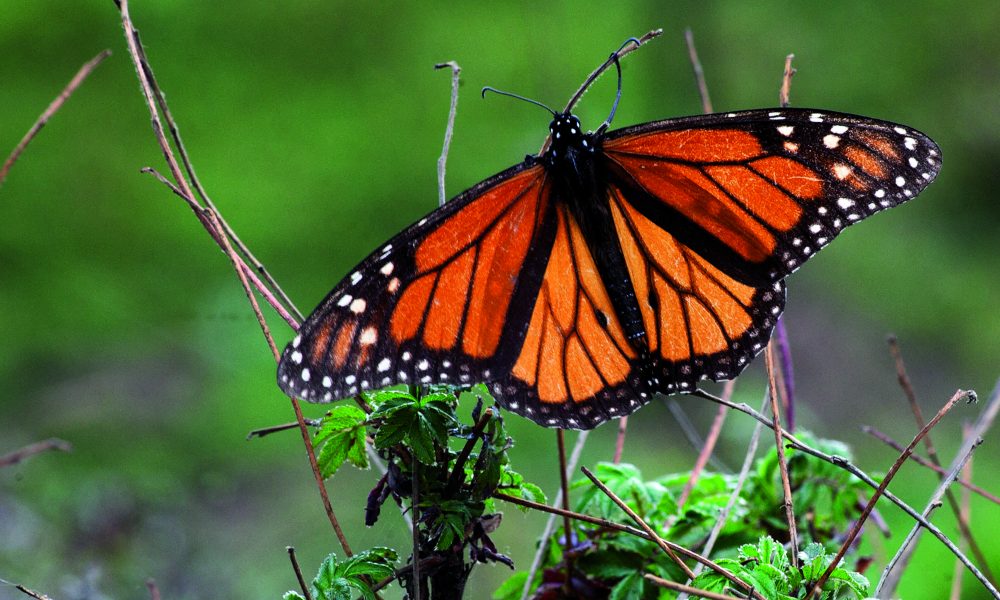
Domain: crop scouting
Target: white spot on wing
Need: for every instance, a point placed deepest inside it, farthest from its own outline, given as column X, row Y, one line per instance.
column 358, row 306
column 384, row 365
column 355, row 278
column 345, row 300
column 845, row 202
column 786, row 130
column 296, row 357
column 368, row 336
column 831, row 141
column 838, row 129
column 386, row 269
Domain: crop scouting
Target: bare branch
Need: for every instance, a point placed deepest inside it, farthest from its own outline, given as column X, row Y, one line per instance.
column 859, row 523
column 550, row 525
column 891, row 575
column 846, row 465
column 449, row 130
column 298, row 573
column 699, row 73
column 639, row 521
column 786, row 486
column 631, row 531
column 53, row 107
column 710, row 441
column 678, row 587
column 154, row 592
column 12, row 458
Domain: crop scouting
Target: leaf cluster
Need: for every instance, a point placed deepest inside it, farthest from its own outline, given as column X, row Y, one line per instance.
column 441, row 469
column 340, row 579
column 604, row 563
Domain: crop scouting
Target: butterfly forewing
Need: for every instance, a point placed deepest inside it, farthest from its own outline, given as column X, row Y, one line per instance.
column 759, row 192
column 433, row 303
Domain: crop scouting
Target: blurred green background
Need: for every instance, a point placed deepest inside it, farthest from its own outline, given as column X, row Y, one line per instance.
column 316, row 127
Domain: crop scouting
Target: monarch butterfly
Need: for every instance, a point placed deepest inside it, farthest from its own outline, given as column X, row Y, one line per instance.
column 611, row 267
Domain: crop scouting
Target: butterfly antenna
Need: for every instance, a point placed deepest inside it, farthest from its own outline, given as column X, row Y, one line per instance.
column 529, row 100
column 618, row 94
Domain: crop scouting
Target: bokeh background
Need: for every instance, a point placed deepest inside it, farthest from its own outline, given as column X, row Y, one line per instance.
column 316, row 127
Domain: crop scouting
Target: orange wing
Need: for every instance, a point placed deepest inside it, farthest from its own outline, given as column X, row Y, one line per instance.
column 576, row 368
column 436, row 302
column 759, row 192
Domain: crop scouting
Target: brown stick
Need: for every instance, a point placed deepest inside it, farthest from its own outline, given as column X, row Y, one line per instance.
column 784, row 93
column 710, row 441
column 12, row 458
column 786, row 486
column 631, row 531
column 639, row 521
column 920, row 460
column 846, row 465
column 680, row 587
column 932, row 454
column 891, row 575
column 154, row 592
column 856, row 529
column 956, row 577
column 53, row 107
column 620, row 440
column 32, row 593
column 564, row 487
column 298, row 573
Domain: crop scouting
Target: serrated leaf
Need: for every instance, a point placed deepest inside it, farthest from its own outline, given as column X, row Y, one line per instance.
column 630, row 588
column 512, row 587
column 290, row 595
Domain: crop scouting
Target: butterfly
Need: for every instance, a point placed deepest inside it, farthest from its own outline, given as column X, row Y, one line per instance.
column 613, row 266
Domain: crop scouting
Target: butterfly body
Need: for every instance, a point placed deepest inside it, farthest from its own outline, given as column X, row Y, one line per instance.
column 614, row 266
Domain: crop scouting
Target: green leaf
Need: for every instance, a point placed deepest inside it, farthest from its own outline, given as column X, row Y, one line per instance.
column 343, row 431
column 511, row 588
column 290, row 595
column 630, row 588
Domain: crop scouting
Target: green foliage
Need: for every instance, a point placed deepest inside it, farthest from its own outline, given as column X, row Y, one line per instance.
column 826, row 501
column 338, row 580
column 342, row 431
column 765, row 565
column 415, row 430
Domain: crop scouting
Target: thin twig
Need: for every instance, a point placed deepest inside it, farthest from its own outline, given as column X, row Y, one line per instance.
column 263, row 431
column 53, row 107
column 458, row 472
column 605, row 523
column 550, row 525
column 859, row 523
column 784, row 92
column 450, row 129
column 920, row 460
column 298, row 573
column 415, row 504
column 890, row 579
column 786, row 372
column 932, row 454
column 699, row 73
column 678, row 587
column 893, row 571
column 12, row 458
column 786, row 486
column 144, row 73
column 154, row 592
column 720, row 522
column 227, row 230
column 846, row 465
column 710, row 441
column 211, row 224
column 620, row 440
column 639, row 521
column 691, row 434
column 564, row 489
column 597, row 73
column 30, row 592
column 956, row 578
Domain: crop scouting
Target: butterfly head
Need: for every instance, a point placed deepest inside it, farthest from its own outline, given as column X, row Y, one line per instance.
column 566, row 134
